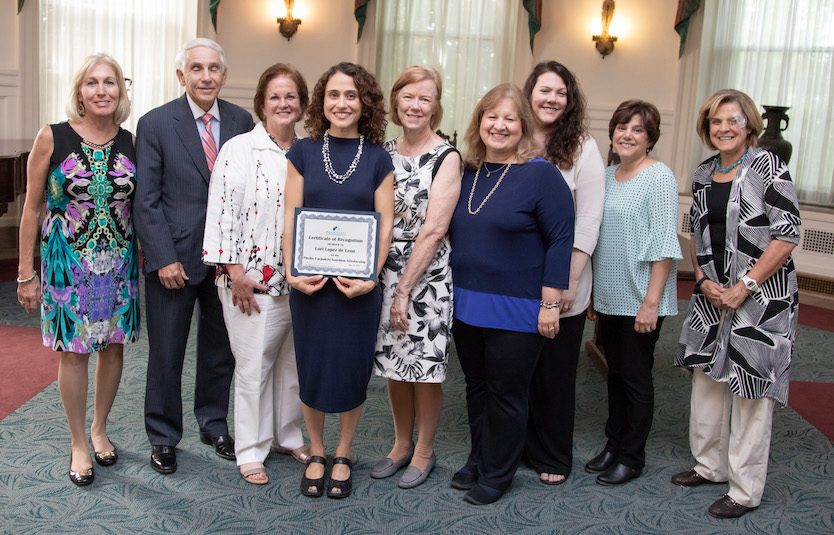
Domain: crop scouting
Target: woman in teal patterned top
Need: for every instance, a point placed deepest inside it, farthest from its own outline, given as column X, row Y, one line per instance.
column 89, row 291
column 634, row 284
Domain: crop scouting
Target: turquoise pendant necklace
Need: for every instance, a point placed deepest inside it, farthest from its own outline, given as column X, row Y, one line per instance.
column 730, row 168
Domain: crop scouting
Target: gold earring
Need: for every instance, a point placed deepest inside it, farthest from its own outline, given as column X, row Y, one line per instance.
column 80, row 108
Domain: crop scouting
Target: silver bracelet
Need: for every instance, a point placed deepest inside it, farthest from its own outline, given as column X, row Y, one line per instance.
column 548, row 305
column 21, row 281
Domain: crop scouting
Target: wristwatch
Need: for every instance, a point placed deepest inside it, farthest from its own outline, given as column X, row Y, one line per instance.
column 750, row 284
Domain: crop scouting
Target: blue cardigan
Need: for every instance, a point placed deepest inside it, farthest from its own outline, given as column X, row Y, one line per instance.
column 520, row 240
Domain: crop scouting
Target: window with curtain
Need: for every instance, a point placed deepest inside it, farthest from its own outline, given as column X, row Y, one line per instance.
column 471, row 43
column 781, row 52
column 142, row 35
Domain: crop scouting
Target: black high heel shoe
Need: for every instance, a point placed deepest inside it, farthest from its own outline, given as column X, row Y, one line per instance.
column 106, row 458
column 340, row 488
column 313, row 487
column 82, row 478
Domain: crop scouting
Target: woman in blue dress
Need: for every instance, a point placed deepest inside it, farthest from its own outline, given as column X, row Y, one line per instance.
column 88, row 292
column 340, row 166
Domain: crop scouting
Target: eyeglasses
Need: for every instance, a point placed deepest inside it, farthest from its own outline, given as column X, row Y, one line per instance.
column 737, row 120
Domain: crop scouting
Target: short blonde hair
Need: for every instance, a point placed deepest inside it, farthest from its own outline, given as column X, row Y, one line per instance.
column 75, row 111
column 748, row 108
column 476, row 150
column 412, row 75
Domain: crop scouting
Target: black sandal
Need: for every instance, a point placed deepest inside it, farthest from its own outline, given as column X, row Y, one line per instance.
column 343, row 488
column 316, row 484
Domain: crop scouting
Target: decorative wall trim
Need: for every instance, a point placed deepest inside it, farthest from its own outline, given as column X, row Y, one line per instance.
column 10, row 104
column 9, row 78
column 240, row 94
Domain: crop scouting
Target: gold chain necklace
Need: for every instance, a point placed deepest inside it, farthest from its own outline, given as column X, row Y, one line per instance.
column 489, row 172
column 495, row 187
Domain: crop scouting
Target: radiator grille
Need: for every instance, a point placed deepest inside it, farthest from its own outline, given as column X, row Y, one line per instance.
column 686, row 224
column 818, row 241
column 815, row 284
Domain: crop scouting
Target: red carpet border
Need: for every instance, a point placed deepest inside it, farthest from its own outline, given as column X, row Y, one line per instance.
column 28, row 367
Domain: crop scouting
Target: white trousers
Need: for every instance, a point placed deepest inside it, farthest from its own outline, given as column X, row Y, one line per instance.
column 730, row 437
column 267, row 406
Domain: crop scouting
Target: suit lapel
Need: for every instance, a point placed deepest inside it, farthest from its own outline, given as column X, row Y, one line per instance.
column 186, row 129
column 227, row 127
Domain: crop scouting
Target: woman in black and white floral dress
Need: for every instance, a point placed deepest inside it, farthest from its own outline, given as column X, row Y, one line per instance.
column 412, row 346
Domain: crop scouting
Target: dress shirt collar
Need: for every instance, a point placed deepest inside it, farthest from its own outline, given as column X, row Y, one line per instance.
column 198, row 112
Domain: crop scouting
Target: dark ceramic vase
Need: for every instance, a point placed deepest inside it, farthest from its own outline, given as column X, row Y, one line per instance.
column 772, row 139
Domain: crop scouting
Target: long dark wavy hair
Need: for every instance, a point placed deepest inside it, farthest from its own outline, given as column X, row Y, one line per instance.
column 372, row 120
column 565, row 138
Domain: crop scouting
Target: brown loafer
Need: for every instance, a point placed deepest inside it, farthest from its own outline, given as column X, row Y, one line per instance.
column 691, row 478
column 727, row 507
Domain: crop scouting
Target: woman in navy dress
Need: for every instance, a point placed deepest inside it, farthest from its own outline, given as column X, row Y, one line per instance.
column 343, row 167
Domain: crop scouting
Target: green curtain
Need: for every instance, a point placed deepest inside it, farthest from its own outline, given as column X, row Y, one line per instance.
column 686, row 8
column 534, row 18
column 19, row 5
column 360, row 12
column 213, row 12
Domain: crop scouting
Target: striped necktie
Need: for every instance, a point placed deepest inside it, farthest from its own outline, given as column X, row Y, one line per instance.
column 209, row 146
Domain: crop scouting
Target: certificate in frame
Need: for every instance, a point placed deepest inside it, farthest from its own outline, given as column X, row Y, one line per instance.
column 335, row 243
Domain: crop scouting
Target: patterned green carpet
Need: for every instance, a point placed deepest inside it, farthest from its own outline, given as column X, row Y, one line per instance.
column 207, row 495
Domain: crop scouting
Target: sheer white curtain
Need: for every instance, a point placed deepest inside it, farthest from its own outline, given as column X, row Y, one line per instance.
column 142, row 35
column 781, row 52
column 470, row 42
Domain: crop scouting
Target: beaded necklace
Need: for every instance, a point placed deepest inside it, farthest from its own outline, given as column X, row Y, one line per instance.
column 282, row 149
column 730, row 168
column 328, row 165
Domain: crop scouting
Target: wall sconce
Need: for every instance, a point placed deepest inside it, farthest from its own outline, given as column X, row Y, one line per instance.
column 288, row 25
column 604, row 41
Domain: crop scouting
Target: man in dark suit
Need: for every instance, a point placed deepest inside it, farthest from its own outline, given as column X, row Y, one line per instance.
column 176, row 145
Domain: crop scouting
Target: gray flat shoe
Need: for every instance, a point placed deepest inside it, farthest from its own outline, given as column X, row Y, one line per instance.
column 387, row 468
column 413, row 477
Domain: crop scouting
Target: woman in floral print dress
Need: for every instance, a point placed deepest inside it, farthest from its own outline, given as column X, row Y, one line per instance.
column 412, row 346
column 88, row 292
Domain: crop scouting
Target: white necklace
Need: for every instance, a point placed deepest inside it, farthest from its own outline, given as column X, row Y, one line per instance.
column 328, row 165
column 495, row 187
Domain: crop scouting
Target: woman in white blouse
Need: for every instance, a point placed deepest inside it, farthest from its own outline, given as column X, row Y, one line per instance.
column 559, row 107
column 244, row 227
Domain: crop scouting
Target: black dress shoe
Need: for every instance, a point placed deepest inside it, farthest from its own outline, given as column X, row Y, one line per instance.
column 618, row 475
column 691, row 478
column 727, row 507
column 106, row 458
column 224, row 445
column 464, row 479
column 601, row 462
column 482, row 495
column 164, row 459
column 82, row 478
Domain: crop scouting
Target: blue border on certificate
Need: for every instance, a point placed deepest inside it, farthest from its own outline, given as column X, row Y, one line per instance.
column 370, row 243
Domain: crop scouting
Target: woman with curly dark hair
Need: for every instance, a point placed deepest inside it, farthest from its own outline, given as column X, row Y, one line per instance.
column 341, row 167
column 559, row 109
